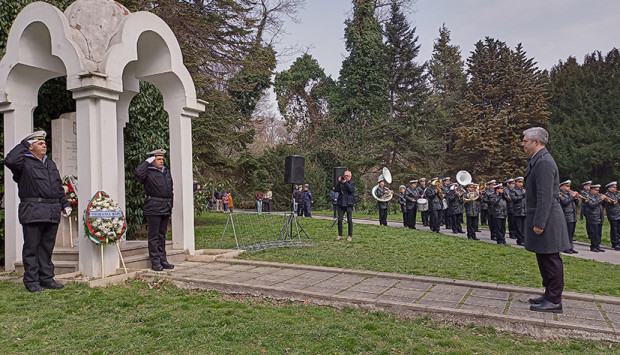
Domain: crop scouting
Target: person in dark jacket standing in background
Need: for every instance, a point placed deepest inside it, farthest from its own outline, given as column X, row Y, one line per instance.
column 498, row 210
column 568, row 201
column 346, row 201
column 613, row 213
column 472, row 210
column 594, row 218
column 403, row 204
column 297, row 194
column 307, row 200
column 42, row 200
column 412, row 194
column 545, row 227
column 157, row 208
column 333, row 196
column 517, row 195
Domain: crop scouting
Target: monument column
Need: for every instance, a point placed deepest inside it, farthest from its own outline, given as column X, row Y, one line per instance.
column 64, row 144
column 17, row 125
column 98, row 167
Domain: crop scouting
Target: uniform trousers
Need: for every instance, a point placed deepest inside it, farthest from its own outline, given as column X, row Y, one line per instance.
column 383, row 216
column 307, row 212
column 511, row 226
column 484, row 214
column 411, row 217
column 595, row 232
column 39, row 240
column 425, row 218
column 405, row 217
column 456, row 222
column 614, row 234
column 446, row 219
column 519, row 225
column 499, row 224
column 552, row 272
column 472, row 227
column 349, row 211
column 158, row 226
column 435, row 222
column 571, row 232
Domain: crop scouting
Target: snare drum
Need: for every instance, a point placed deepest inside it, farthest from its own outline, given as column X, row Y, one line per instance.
column 422, row 204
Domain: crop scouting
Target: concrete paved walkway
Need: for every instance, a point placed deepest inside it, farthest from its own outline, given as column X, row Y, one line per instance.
column 610, row 256
column 453, row 301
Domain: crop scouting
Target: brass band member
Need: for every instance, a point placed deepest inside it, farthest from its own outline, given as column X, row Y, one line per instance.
column 381, row 192
column 499, row 209
column 403, row 204
column 412, row 194
column 584, row 192
column 613, row 213
column 435, row 206
column 569, row 200
column 445, row 214
column 510, row 184
column 517, row 195
column 455, row 206
column 594, row 218
column 472, row 209
column 487, row 210
column 421, row 190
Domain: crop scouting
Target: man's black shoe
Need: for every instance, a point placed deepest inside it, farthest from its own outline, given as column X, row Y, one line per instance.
column 547, row 306
column 521, row 243
column 567, row 251
column 52, row 285
column 512, row 237
column 574, row 251
column 157, row 267
column 167, row 265
column 617, row 247
column 536, row 300
column 34, row 287
column 475, row 238
column 594, row 250
column 600, row 250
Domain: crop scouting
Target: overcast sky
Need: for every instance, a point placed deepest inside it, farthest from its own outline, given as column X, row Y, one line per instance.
column 550, row 30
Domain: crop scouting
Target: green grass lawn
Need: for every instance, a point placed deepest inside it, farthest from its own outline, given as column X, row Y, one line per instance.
column 419, row 253
column 147, row 318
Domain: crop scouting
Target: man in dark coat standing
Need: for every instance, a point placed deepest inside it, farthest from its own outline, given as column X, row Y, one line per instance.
column 545, row 227
column 42, row 199
column 157, row 208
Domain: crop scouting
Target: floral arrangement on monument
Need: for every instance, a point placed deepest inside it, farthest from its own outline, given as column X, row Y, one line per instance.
column 104, row 221
column 69, row 184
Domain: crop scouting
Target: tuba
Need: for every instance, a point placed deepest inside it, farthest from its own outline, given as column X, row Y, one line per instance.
column 387, row 176
column 464, row 179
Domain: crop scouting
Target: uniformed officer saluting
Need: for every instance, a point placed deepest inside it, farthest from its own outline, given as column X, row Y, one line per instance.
column 42, row 199
column 157, row 208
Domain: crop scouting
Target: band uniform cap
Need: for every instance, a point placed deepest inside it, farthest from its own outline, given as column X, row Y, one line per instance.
column 447, row 178
column 38, row 135
column 471, row 184
column 567, row 182
column 422, row 179
column 305, row 185
column 413, row 181
column 510, row 180
column 589, row 182
column 401, row 187
column 498, row 186
column 595, row 186
column 156, row 152
column 520, row 178
column 491, row 182
column 613, row 183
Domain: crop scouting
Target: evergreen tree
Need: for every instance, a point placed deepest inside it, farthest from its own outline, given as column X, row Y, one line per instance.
column 506, row 94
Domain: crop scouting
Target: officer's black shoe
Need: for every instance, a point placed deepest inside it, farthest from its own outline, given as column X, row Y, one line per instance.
column 521, row 243
column 536, row 300
column 52, row 285
column 167, row 265
column 547, row 306
column 157, row 267
column 475, row 238
column 35, row 287
column 567, row 251
column 617, row 247
column 600, row 250
column 574, row 251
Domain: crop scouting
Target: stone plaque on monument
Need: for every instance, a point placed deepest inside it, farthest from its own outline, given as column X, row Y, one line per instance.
column 64, row 154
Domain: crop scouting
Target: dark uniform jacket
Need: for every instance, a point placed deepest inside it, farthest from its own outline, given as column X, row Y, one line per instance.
column 498, row 205
column 517, row 195
column 403, row 202
column 509, row 202
column 585, row 193
column 297, row 196
column 594, row 209
column 380, row 192
column 569, row 206
column 455, row 202
column 347, row 193
column 445, row 190
column 543, row 208
column 613, row 209
column 485, row 199
column 307, row 197
column 158, row 187
column 434, row 202
column 38, row 180
column 412, row 194
column 472, row 208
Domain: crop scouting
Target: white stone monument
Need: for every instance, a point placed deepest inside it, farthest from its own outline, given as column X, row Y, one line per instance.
column 64, row 154
column 104, row 51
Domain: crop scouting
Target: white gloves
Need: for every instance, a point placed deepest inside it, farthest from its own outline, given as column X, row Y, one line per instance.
column 32, row 141
column 67, row 211
column 150, row 159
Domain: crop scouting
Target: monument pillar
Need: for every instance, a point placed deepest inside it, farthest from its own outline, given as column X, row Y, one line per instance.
column 98, row 168
column 64, row 151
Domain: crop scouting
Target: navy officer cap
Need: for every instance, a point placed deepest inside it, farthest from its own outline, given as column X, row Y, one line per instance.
column 156, row 152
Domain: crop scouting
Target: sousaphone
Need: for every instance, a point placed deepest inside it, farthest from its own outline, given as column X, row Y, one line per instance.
column 387, row 176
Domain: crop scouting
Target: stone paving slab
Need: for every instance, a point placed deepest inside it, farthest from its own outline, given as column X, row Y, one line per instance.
column 461, row 302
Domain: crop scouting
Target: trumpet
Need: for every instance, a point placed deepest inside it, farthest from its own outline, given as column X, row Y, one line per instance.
column 608, row 199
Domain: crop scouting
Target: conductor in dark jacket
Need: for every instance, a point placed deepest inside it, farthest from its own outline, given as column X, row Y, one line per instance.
column 157, row 208
column 42, row 199
column 545, row 227
column 346, row 201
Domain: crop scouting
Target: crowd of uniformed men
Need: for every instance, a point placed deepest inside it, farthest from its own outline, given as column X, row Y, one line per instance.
column 498, row 205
